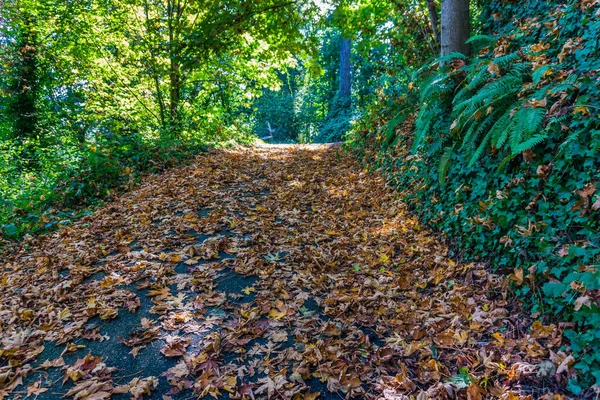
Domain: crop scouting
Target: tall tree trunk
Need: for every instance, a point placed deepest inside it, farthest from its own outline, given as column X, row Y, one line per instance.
column 153, row 63
column 433, row 19
column 345, row 75
column 174, row 69
column 455, row 27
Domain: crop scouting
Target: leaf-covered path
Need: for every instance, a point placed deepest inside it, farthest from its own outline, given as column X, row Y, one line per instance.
column 274, row 272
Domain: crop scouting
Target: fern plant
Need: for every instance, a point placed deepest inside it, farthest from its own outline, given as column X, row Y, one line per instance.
column 494, row 103
column 436, row 93
column 494, row 110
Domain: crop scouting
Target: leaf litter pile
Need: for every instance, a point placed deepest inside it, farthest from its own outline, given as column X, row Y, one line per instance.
column 274, row 272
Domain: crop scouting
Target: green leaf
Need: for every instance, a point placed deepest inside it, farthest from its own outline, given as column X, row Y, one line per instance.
column 10, row 230
column 555, row 289
column 573, row 387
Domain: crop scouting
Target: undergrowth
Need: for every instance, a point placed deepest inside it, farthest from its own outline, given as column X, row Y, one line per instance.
column 502, row 154
column 70, row 178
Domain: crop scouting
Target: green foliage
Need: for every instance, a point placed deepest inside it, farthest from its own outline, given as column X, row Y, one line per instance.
column 84, row 115
column 495, row 103
column 504, row 158
column 337, row 122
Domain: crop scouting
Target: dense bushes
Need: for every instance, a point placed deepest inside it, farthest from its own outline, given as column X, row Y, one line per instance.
column 504, row 157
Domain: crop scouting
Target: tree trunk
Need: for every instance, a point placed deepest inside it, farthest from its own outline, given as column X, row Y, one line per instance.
column 175, row 83
column 345, row 76
column 433, row 19
column 153, row 63
column 174, row 68
column 455, row 27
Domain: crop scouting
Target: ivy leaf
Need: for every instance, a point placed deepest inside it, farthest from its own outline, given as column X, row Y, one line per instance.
column 555, row 289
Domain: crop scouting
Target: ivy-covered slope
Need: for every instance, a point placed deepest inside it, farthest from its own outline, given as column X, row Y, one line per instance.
column 502, row 153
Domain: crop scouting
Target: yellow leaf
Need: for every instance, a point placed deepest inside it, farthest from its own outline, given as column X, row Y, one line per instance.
column 230, row 384
column 383, row 258
column 540, row 47
column 276, row 314
column 91, row 302
column 498, row 337
column 517, row 276
column 279, row 311
column 71, row 347
column 248, row 290
column 583, row 110
column 65, row 314
column 311, row 396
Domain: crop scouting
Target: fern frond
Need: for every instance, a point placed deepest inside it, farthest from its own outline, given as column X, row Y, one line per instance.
column 451, row 57
column 528, row 121
column 501, row 87
column 423, row 124
column 507, row 60
column 569, row 82
column 500, row 131
column 477, row 129
column 481, row 38
column 479, row 152
column 530, row 143
column 390, row 132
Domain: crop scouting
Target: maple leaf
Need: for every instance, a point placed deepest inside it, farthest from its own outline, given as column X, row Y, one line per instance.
column 108, row 313
column 271, row 386
column 537, row 103
column 245, row 391
column 82, row 367
column 493, row 69
column 141, row 336
column 91, row 389
column 248, row 289
column 279, row 311
column 176, row 346
column 59, row 362
column 35, row 389
column 139, row 387
column 177, row 372
column 279, row 336
column 475, row 392
column 161, row 292
column 229, row 384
